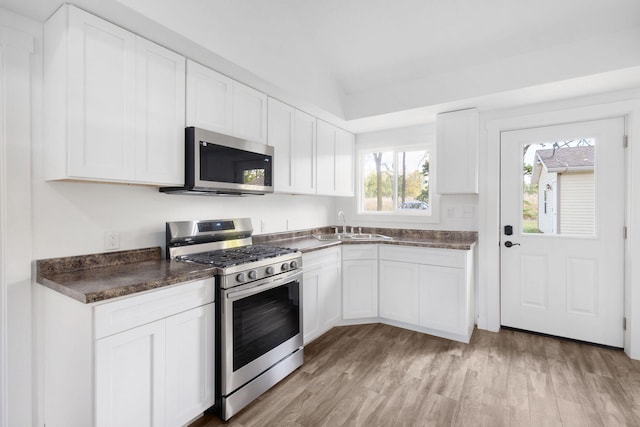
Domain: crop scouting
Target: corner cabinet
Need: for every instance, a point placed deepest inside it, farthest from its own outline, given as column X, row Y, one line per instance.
column 359, row 281
column 334, row 161
column 321, row 292
column 114, row 103
column 457, row 152
column 293, row 135
column 429, row 290
column 143, row 360
column 220, row 104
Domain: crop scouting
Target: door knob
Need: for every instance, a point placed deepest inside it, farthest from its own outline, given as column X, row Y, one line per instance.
column 509, row 243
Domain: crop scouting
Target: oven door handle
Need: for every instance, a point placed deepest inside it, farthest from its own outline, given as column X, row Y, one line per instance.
column 263, row 287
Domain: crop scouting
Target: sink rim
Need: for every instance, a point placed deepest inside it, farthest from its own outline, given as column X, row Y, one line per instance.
column 350, row 236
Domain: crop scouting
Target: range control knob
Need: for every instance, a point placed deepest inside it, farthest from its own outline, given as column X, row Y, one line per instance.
column 294, row 265
column 241, row 278
column 284, row 267
column 253, row 274
column 270, row 270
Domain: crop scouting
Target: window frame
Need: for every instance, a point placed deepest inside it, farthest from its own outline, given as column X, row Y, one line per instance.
column 398, row 215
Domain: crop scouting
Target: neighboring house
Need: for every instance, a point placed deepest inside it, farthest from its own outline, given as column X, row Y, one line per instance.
column 566, row 189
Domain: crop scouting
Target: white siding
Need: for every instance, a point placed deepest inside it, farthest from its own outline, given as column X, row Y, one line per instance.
column 577, row 203
column 547, row 221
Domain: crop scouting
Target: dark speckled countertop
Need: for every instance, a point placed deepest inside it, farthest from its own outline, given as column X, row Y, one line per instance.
column 98, row 277
column 305, row 242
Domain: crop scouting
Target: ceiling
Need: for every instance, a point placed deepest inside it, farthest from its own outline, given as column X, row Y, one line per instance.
column 360, row 59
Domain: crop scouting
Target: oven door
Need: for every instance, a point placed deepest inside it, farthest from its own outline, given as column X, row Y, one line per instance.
column 261, row 325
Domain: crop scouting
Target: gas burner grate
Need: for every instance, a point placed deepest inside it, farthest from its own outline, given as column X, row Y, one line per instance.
column 234, row 256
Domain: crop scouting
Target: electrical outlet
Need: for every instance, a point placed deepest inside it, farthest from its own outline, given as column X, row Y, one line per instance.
column 111, row 240
column 468, row 212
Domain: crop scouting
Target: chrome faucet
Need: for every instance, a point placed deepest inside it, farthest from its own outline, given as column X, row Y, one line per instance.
column 344, row 222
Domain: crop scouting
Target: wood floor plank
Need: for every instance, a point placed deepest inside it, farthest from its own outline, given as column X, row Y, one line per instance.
column 518, row 396
column 379, row 375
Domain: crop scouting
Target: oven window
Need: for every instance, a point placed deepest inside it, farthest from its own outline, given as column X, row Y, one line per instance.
column 231, row 165
column 263, row 321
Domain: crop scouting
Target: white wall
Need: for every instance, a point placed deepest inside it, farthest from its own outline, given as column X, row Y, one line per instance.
column 70, row 218
column 450, row 211
column 17, row 63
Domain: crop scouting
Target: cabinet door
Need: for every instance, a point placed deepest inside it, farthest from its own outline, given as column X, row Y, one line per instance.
column 359, row 289
column 209, row 99
column 443, row 298
column 249, row 113
column 130, row 377
column 160, row 93
column 311, row 311
column 457, row 151
column 304, row 153
column 399, row 291
column 331, row 296
column 345, row 143
column 280, row 136
column 326, row 158
column 190, row 363
column 101, row 99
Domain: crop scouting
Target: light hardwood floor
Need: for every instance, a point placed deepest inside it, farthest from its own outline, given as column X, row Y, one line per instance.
column 379, row 375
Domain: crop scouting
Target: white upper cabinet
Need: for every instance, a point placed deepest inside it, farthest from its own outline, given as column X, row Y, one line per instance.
column 304, row 150
column 209, row 99
column 89, row 98
column 280, row 137
column 114, row 103
column 334, row 160
column 220, row 104
column 326, row 158
column 292, row 133
column 344, row 163
column 249, row 113
column 160, row 106
column 457, row 152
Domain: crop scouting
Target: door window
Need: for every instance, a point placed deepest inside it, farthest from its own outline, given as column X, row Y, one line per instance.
column 558, row 187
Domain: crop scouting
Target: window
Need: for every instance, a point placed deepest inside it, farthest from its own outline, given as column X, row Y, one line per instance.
column 395, row 181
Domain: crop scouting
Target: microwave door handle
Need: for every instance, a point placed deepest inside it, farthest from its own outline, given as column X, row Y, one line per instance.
column 260, row 288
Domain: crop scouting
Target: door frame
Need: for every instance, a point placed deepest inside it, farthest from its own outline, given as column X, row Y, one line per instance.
column 489, row 203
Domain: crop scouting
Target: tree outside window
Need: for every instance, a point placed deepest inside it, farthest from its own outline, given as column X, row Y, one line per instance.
column 396, row 181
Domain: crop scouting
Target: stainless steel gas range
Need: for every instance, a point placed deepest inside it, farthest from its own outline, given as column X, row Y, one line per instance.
column 258, row 306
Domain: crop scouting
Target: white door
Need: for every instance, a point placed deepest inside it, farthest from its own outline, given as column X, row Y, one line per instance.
column 130, row 377
column 567, row 281
column 160, row 95
column 359, row 289
column 190, row 363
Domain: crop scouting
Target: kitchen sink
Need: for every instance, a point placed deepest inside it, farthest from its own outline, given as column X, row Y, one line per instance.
column 332, row 236
column 365, row 236
column 351, row 236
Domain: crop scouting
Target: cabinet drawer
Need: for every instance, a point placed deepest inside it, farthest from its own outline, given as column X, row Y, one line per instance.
column 428, row 256
column 358, row 252
column 318, row 258
column 127, row 313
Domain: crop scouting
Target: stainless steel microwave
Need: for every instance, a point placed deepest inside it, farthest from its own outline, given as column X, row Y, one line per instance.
column 217, row 164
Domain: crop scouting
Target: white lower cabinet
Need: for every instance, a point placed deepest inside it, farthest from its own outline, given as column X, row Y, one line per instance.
column 430, row 290
column 399, row 291
column 148, row 358
column 359, row 281
column 130, row 377
column 321, row 292
column 443, row 299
